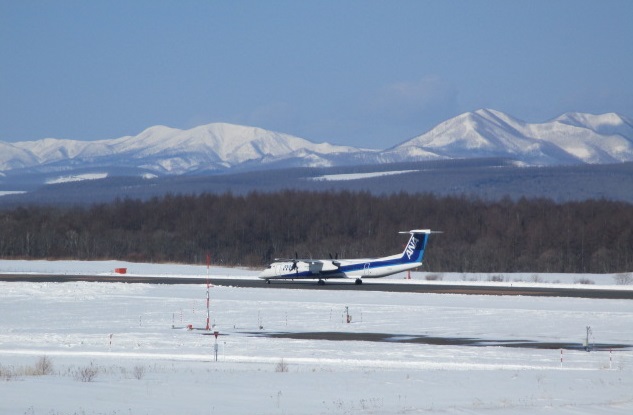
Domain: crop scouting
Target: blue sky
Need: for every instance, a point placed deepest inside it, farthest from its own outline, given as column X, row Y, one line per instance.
column 363, row 73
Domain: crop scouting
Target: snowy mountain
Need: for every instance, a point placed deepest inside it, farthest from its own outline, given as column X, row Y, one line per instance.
column 572, row 138
column 165, row 150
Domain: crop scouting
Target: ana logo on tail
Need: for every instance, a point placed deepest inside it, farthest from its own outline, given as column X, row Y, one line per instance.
column 413, row 242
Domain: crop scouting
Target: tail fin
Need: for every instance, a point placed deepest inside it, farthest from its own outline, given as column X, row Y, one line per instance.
column 414, row 251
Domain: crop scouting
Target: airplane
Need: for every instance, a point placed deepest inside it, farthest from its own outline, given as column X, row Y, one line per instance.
column 322, row 269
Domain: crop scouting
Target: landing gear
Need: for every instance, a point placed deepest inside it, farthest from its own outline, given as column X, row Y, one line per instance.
column 358, row 281
column 321, row 282
column 267, row 281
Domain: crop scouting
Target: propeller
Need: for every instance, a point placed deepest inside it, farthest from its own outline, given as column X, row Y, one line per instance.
column 335, row 260
column 294, row 263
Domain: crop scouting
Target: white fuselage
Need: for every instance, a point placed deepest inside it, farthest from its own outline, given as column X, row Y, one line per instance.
column 353, row 268
column 323, row 269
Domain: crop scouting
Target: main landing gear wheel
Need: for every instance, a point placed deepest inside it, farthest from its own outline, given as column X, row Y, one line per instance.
column 267, row 281
column 358, row 281
column 321, row 282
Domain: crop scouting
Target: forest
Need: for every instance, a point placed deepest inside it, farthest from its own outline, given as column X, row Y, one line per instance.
column 524, row 235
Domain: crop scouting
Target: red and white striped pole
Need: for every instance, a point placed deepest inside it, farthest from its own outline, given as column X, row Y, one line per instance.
column 208, row 263
column 561, row 358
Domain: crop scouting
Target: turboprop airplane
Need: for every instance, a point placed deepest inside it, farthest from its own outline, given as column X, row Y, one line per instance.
column 322, row 269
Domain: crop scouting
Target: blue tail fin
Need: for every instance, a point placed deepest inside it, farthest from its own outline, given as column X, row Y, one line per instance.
column 414, row 250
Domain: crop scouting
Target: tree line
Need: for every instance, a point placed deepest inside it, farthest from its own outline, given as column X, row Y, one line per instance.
column 525, row 235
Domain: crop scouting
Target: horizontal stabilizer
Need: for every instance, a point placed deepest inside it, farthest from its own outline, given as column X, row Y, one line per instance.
column 426, row 231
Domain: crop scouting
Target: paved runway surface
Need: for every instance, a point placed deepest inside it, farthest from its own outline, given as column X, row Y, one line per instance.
column 337, row 285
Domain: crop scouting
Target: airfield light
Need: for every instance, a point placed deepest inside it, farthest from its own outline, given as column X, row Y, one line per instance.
column 215, row 345
column 588, row 348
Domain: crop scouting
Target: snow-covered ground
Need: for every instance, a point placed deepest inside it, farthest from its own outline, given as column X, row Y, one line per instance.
column 10, row 192
column 77, row 178
column 134, row 338
column 358, row 176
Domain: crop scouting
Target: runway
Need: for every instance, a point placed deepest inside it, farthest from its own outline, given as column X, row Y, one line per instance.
column 383, row 285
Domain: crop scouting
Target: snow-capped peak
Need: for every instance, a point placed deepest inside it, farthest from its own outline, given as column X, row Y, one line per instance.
column 570, row 138
column 170, row 150
column 609, row 124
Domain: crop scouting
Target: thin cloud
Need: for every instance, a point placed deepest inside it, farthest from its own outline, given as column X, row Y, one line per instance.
column 428, row 97
column 275, row 115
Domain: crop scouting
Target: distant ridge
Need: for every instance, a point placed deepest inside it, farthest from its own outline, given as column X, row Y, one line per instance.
column 166, row 150
column 572, row 138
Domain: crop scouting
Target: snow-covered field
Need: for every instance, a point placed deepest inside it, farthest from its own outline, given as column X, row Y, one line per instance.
column 122, row 348
column 77, row 178
column 358, row 176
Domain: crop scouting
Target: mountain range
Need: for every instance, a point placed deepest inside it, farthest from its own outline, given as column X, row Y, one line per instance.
column 572, row 138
